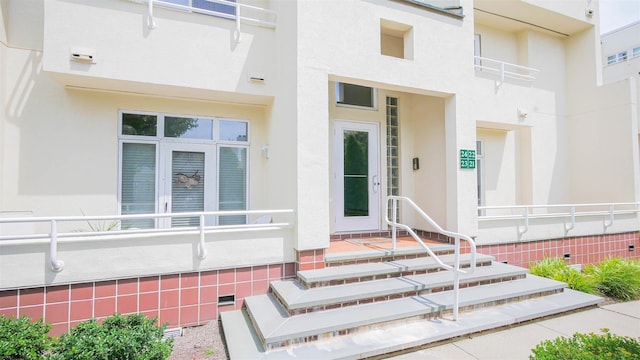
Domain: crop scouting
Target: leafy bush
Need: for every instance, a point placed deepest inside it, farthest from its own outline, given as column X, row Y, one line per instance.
column 617, row 278
column 588, row 347
column 119, row 337
column 557, row 269
column 22, row 339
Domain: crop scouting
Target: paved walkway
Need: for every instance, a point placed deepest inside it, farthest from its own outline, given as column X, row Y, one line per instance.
column 516, row 342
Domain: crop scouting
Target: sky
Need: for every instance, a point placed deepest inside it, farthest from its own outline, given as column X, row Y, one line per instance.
column 618, row 13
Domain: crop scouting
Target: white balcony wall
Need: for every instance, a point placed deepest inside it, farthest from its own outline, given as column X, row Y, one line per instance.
column 187, row 54
column 25, row 263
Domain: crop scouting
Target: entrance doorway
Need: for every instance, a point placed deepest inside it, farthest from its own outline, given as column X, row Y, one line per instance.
column 356, row 176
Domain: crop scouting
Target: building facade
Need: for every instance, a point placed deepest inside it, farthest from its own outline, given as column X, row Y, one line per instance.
column 171, row 157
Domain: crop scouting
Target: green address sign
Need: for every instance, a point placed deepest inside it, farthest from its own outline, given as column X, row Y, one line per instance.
column 467, row 159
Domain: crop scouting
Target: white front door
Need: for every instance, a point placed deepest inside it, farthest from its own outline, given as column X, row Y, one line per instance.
column 356, row 176
column 189, row 181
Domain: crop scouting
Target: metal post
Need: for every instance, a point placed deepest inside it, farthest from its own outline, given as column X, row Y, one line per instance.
column 456, row 278
column 394, row 211
column 202, row 252
column 56, row 265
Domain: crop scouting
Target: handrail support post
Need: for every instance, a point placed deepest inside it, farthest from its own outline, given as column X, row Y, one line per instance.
column 56, row 265
column 202, row 252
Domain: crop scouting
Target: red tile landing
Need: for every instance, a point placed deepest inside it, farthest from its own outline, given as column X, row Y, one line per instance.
column 360, row 244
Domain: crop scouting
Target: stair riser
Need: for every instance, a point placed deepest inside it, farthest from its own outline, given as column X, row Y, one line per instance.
column 423, row 317
column 310, row 285
column 330, row 263
column 420, row 291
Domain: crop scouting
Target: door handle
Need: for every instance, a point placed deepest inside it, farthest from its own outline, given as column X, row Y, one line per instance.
column 375, row 183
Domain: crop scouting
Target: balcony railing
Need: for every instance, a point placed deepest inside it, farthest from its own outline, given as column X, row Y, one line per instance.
column 505, row 70
column 242, row 13
column 563, row 213
column 263, row 221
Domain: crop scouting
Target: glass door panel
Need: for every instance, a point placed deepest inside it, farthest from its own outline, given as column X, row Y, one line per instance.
column 187, row 187
column 356, row 173
column 356, row 179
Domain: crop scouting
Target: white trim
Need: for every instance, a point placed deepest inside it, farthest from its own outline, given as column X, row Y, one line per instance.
column 371, row 222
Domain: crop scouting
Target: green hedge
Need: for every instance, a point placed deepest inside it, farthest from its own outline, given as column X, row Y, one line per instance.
column 122, row 337
column 615, row 278
column 588, row 347
column 23, row 339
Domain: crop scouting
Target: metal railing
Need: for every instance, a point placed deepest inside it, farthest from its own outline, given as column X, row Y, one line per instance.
column 269, row 20
column 392, row 202
column 54, row 235
column 505, row 69
column 524, row 213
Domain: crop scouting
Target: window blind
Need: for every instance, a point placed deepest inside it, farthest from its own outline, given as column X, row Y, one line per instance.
column 187, row 187
column 232, row 183
column 138, row 183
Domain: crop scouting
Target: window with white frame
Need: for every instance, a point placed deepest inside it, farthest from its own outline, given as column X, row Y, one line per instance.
column 622, row 56
column 215, row 6
column 355, row 95
column 635, row 52
column 182, row 164
column 611, row 59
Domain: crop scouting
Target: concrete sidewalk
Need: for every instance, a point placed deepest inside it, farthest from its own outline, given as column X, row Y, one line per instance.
column 516, row 342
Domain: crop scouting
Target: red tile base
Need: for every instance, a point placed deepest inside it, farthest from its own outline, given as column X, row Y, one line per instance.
column 186, row 299
column 581, row 250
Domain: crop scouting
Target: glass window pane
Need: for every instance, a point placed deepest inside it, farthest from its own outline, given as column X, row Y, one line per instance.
column 357, row 95
column 138, row 183
column 139, row 124
column 233, row 130
column 232, row 186
column 356, row 173
column 188, row 128
column 208, row 5
column 187, row 187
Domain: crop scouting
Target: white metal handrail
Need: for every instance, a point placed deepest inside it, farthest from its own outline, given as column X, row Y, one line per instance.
column 270, row 14
column 394, row 201
column 505, row 69
column 54, row 235
column 526, row 213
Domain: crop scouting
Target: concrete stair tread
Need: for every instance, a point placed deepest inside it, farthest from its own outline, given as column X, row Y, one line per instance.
column 403, row 336
column 370, row 253
column 296, row 296
column 276, row 327
column 381, row 268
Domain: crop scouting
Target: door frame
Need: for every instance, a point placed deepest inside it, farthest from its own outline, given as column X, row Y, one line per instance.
column 168, row 177
column 370, row 222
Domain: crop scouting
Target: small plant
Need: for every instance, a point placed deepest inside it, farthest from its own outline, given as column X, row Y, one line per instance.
column 20, row 338
column 119, row 337
column 617, row 278
column 588, row 347
column 557, row 269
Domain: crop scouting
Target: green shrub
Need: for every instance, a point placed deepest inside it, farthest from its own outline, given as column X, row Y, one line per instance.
column 617, row 278
column 119, row 337
column 23, row 339
column 588, row 347
column 557, row 269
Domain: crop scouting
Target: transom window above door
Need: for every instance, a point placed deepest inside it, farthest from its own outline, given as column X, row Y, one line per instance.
column 182, row 164
column 143, row 125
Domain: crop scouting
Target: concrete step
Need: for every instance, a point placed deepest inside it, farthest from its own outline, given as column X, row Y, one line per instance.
column 381, row 255
column 276, row 329
column 242, row 342
column 380, row 270
column 297, row 299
